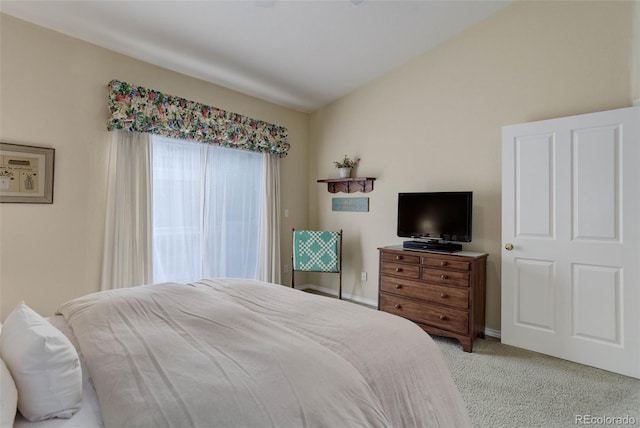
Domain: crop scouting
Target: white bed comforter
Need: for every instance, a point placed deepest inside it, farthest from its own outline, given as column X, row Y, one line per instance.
column 243, row 353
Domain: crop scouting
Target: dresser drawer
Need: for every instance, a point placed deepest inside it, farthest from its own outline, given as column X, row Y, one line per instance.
column 456, row 297
column 404, row 258
column 445, row 295
column 438, row 316
column 399, row 269
column 447, row 277
column 448, row 264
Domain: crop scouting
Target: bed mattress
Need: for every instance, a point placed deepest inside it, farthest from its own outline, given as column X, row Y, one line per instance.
column 245, row 353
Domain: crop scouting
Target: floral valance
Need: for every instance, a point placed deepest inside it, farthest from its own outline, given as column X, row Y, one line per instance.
column 134, row 108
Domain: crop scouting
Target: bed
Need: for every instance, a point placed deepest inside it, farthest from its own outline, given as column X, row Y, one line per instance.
column 245, row 353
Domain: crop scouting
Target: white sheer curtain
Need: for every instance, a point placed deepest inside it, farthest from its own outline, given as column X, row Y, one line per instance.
column 269, row 268
column 181, row 211
column 208, row 205
column 127, row 249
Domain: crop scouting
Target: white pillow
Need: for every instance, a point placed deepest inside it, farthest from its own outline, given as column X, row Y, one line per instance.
column 8, row 397
column 44, row 365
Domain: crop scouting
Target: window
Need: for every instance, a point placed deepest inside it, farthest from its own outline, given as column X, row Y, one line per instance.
column 207, row 208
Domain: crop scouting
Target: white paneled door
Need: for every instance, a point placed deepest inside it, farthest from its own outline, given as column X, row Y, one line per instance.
column 571, row 237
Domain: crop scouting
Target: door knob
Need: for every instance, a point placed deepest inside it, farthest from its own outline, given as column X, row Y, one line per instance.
column 509, row 246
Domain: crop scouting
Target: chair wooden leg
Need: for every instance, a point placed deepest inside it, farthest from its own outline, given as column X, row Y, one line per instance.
column 340, row 264
column 292, row 271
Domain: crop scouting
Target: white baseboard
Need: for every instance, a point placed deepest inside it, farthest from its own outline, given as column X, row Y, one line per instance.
column 331, row 292
column 493, row 333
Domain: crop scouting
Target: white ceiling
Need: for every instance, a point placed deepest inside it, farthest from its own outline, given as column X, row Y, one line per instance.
column 299, row 54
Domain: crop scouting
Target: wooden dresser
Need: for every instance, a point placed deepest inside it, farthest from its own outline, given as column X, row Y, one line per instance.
column 443, row 293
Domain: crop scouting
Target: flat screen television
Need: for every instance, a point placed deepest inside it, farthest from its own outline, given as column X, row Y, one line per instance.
column 435, row 216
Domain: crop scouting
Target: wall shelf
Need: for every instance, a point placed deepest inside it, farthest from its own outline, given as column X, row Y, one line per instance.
column 349, row 185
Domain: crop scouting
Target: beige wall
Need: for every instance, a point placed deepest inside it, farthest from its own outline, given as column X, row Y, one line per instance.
column 53, row 94
column 635, row 56
column 435, row 123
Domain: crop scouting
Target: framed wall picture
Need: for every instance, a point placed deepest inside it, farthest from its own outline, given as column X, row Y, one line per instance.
column 26, row 174
column 350, row 204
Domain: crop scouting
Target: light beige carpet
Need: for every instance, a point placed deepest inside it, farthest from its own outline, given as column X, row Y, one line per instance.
column 505, row 386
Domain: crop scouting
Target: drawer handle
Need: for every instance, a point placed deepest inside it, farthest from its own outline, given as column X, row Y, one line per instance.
column 397, row 306
column 398, row 269
column 444, row 295
column 444, row 277
column 443, row 317
column 398, row 286
column 398, row 257
column 443, row 263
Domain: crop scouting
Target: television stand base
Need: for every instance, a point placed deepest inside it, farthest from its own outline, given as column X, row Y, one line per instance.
column 448, row 247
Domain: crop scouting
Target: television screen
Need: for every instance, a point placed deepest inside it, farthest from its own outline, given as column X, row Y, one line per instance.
column 435, row 215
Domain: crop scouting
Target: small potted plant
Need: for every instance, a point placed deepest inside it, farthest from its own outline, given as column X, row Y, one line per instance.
column 346, row 166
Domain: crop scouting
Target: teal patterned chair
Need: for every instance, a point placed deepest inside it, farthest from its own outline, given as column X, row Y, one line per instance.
column 317, row 251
